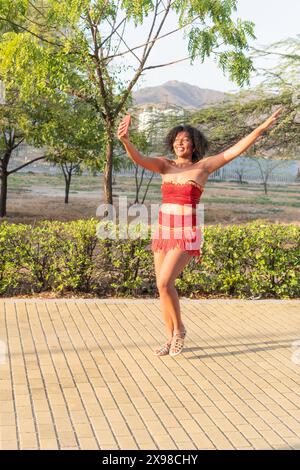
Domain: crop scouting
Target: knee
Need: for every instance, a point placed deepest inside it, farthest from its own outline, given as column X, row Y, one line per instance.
column 164, row 285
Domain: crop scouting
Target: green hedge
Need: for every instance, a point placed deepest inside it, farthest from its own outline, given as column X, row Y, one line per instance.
column 255, row 259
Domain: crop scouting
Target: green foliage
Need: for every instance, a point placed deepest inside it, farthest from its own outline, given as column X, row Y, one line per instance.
column 137, row 9
column 284, row 74
column 228, row 122
column 243, row 261
column 52, row 255
column 248, row 260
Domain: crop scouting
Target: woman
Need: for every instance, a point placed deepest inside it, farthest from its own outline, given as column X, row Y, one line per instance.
column 177, row 238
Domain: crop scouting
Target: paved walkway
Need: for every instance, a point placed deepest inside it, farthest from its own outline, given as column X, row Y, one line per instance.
column 80, row 374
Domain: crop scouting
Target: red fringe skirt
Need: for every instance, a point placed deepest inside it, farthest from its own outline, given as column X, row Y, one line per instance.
column 176, row 230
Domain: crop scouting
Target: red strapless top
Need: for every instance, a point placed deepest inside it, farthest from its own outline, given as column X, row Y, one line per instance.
column 181, row 193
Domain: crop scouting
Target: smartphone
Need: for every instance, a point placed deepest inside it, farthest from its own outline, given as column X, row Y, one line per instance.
column 127, row 121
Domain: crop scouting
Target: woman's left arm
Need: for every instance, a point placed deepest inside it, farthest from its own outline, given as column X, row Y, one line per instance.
column 215, row 162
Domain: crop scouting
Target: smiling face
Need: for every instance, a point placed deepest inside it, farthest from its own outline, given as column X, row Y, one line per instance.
column 183, row 145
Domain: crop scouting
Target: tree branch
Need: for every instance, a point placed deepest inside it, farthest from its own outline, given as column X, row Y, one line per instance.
column 281, row 54
column 153, row 40
column 144, row 59
column 30, row 32
column 164, row 65
column 152, row 27
column 36, row 8
column 113, row 26
column 276, row 75
column 19, row 143
column 86, row 99
column 25, row 164
column 112, row 33
column 96, row 59
column 123, row 41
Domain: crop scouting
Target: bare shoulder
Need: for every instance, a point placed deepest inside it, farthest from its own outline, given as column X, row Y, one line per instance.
column 166, row 163
column 212, row 163
column 201, row 165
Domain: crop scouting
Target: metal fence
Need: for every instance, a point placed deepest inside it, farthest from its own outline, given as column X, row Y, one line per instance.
column 246, row 170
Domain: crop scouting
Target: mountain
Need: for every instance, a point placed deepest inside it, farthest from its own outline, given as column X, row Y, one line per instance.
column 177, row 93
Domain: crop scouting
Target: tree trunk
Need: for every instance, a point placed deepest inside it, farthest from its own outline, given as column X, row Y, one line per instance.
column 3, row 179
column 108, row 196
column 137, row 188
column 67, row 188
column 266, row 187
column 3, row 193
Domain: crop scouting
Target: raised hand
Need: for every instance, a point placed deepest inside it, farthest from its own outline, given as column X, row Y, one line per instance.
column 123, row 127
column 271, row 120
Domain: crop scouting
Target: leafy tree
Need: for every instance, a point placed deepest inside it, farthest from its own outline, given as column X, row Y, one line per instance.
column 73, row 136
column 15, row 121
column 229, row 122
column 284, row 74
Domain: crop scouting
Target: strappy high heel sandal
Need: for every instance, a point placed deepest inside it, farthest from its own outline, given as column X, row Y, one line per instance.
column 177, row 343
column 163, row 350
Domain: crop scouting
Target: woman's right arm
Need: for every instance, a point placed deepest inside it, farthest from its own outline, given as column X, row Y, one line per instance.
column 156, row 164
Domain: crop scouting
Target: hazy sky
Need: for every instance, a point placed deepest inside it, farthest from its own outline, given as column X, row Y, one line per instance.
column 274, row 20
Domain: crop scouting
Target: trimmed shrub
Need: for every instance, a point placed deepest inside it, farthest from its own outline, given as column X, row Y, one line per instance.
column 251, row 260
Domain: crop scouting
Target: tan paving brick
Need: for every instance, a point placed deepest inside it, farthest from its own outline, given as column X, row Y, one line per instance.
column 150, row 445
column 7, row 419
column 188, row 445
column 260, row 444
column 88, row 443
column 294, row 442
column 99, row 423
column 28, row 441
column 83, row 430
column 164, row 442
column 127, row 442
column 105, row 437
column 142, row 436
column 100, row 380
column 67, row 438
column 202, row 441
column 8, row 432
column 273, row 439
column 225, row 425
column 169, row 421
column 237, row 439
column 156, row 428
column 218, row 438
column 26, row 425
column 8, row 445
column 48, row 444
column 178, row 434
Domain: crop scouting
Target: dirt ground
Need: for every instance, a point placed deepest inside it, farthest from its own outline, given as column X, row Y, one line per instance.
column 42, row 202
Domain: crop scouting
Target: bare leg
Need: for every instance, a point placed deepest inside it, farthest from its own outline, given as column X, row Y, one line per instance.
column 173, row 264
column 159, row 257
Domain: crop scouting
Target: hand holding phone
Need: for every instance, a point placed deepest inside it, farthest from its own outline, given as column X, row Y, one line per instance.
column 124, row 126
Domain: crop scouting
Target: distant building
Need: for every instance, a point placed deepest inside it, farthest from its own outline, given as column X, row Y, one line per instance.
column 149, row 114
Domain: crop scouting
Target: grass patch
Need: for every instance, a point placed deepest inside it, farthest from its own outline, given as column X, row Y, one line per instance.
column 257, row 201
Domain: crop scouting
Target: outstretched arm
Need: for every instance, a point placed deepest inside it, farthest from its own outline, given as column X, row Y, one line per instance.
column 156, row 164
column 215, row 162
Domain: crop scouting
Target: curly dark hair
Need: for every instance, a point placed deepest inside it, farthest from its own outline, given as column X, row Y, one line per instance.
column 200, row 142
